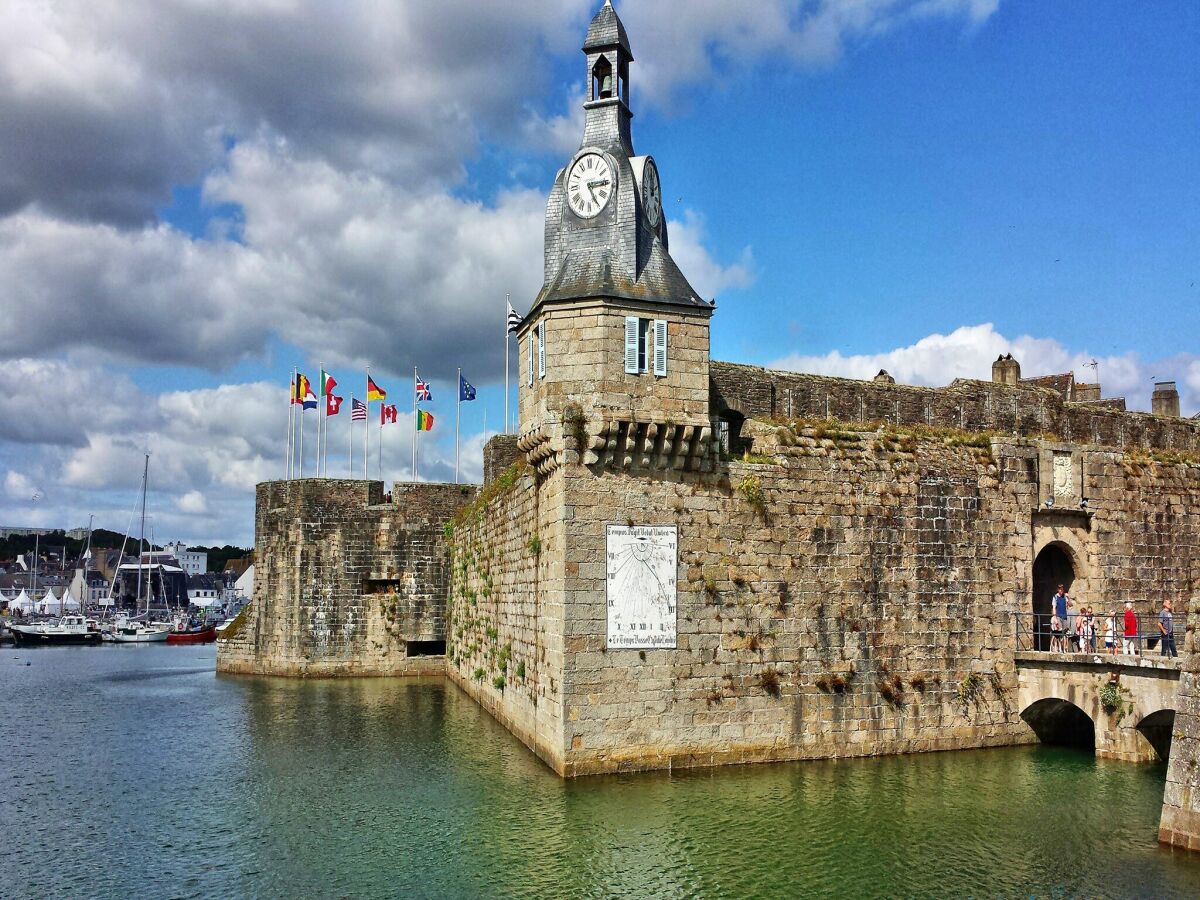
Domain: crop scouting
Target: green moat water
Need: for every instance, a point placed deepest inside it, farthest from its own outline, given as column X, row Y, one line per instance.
column 137, row 772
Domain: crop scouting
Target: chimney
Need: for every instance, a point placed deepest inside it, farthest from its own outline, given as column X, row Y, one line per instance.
column 1006, row 370
column 1165, row 400
column 884, row 378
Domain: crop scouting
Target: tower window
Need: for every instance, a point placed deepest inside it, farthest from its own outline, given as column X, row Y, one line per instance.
column 645, row 346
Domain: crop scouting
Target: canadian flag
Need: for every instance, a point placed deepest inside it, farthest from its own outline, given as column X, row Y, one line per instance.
column 387, row 415
column 333, row 405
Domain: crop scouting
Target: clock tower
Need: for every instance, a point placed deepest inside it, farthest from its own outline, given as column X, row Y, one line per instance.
column 614, row 351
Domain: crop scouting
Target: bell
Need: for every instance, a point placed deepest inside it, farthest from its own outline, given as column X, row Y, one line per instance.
column 606, row 87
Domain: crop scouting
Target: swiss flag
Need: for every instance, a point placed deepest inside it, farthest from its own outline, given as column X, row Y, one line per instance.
column 333, row 405
column 387, row 415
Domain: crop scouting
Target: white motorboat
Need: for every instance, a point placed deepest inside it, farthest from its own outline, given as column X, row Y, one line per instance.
column 66, row 630
column 138, row 632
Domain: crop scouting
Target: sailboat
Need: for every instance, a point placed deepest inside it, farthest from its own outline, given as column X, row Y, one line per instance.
column 132, row 631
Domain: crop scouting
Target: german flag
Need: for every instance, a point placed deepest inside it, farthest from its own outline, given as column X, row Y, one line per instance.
column 374, row 391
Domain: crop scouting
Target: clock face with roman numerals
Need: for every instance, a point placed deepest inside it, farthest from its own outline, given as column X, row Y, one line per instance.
column 589, row 185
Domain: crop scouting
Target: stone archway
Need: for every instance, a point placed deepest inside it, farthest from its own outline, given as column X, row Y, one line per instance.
column 1061, row 722
column 1053, row 566
column 1156, row 728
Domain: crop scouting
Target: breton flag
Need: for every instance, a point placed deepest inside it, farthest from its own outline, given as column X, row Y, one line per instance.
column 424, row 421
column 358, row 410
column 310, row 399
column 374, row 391
column 423, row 392
column 387, row 415
column 327, row 383
column 333, row 405
column 514, row 320
column 465, row 389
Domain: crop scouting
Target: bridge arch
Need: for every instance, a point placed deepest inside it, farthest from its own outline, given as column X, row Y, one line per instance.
column 1058, row 721
column 1156, row 728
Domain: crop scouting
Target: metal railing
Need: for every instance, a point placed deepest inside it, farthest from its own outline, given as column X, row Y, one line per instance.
column 1099, row 634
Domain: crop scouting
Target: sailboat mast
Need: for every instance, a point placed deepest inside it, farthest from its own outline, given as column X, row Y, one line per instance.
column 142, row 533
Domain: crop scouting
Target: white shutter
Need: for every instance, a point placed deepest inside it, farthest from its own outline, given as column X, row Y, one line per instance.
column 631, row 345
column 542, row 349
column 529, row 355
column 660, row 347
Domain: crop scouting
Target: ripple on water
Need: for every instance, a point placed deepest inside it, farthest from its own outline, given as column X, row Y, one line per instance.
column 144, row 774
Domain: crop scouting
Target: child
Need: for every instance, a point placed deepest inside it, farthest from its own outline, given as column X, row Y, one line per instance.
column 1110, row 634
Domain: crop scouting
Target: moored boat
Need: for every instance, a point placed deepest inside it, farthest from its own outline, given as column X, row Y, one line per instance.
column 138, row 633
column 193, row 636
column 66, row 630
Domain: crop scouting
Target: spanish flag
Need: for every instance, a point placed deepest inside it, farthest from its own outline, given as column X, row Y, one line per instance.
column 424, row 421
column 374, row 391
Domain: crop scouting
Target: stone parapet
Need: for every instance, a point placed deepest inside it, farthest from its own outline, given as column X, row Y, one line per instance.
column 1018, row 409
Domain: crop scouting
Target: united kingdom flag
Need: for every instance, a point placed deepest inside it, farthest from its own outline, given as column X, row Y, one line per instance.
column 423, row 392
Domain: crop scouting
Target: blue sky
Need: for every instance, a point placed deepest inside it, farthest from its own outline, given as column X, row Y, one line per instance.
column 892, row 183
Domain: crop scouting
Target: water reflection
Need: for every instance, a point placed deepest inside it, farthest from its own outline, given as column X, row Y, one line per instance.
column 144, row 774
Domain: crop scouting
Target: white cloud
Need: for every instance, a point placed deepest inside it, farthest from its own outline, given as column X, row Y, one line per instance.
column 679, row 42
column 193, row 503
column 18, row 486
column 968, row 352
column 706, row 275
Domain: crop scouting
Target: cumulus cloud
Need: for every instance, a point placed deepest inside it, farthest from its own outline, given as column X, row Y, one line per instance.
column 685, row 41
column 108, row 103
column 18, row 486
column 968, row 352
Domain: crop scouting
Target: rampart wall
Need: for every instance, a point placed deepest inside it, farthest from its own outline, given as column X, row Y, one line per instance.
column 1023, row 410
column 505, row 607
column 347, row 582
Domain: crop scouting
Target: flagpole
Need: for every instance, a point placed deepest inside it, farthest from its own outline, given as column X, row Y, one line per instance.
column 507, row 304
column 302, row 439
column 350, row 468
column 287, row 469
column 381, row 445
column 367, row 432
column 457, row 420
column 416, row 424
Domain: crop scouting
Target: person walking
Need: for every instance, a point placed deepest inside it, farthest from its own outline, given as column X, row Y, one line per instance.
column 1131, row 630
column 1166, row 629
column 1110, row 634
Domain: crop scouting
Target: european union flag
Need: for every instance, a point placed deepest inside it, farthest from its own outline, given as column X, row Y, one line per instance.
column 465, row 390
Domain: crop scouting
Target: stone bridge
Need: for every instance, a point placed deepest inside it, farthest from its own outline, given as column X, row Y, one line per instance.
column 1060, row 697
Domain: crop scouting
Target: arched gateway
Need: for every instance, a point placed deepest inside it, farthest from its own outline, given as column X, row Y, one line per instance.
column 1052, row 567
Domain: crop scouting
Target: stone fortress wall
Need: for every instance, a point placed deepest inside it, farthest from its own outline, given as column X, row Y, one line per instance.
column 347, row 581
column 1011, row 408
column 850, row 590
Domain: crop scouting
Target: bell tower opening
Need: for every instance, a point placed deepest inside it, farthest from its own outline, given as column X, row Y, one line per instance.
column 602, row 79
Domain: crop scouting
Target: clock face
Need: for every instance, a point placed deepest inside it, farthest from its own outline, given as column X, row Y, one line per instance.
column 589, row 185
column 652, row 194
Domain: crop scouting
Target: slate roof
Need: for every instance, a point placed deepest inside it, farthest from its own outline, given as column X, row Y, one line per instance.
column 592, row 273
column 1060, row 383
column 606, row 30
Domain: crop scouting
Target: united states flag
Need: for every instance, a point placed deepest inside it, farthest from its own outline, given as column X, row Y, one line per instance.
column 358, row 410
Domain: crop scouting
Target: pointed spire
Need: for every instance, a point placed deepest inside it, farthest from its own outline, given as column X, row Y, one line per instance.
column 606, row 31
